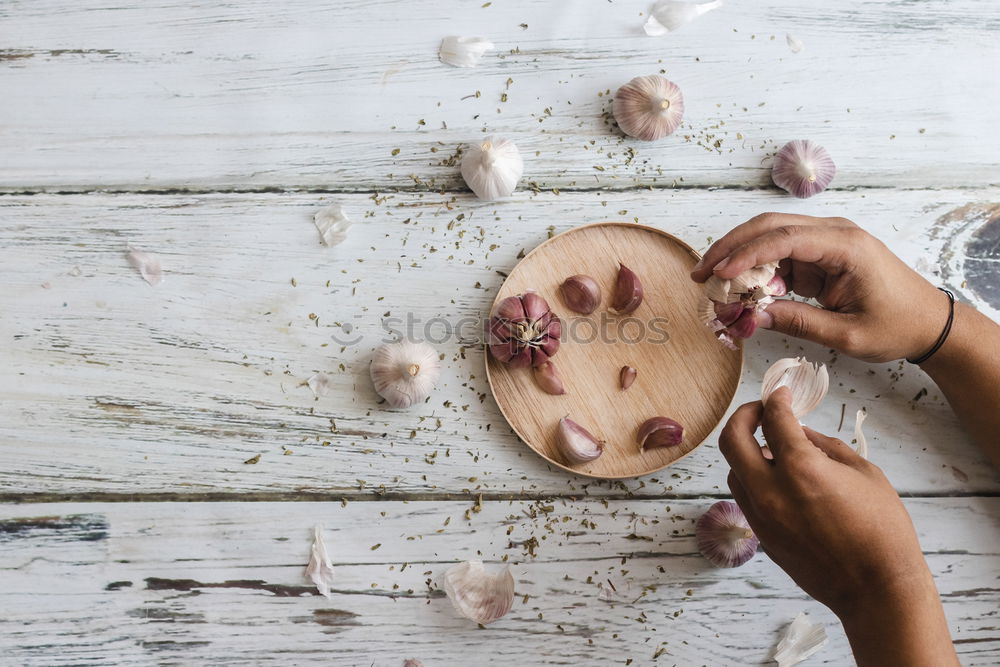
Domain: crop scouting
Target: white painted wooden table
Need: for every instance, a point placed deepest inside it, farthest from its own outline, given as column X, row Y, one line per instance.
column 132, row 531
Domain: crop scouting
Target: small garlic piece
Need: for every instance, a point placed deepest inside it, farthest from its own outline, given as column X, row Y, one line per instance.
column 861, row 442
column 477, row 594
column 724, row 536
column 669, row 15
column 581, row 294
column 803, row 168
column 648, row 107
column 320, row 569
column 492, row 167
column 332, row 223
column 576, row 443
column 657, row 432
column 794, row 43
column 404, row 372
column 801, row 639
column 320, row 384
column 731, row 307
column 808, row 382
column 628, row 292
column 463, row 51
column 626, row 377
column 548, row 379
column 147, row 264
column 523, row 331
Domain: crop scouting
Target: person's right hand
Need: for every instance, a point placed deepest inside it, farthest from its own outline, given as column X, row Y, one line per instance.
column 875, row 307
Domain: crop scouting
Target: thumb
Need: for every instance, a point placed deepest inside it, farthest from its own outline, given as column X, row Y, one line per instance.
column 801, row 320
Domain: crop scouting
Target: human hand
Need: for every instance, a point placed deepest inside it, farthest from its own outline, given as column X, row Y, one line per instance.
column 875, row 307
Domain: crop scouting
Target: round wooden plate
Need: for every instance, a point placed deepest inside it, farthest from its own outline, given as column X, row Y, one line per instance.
column 683, row 372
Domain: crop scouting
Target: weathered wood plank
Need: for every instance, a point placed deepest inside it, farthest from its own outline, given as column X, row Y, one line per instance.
column 223, row 583
column 111, row 386
column 310, row 95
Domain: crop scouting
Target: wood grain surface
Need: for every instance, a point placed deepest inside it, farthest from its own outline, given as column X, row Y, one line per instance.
column 684, row 373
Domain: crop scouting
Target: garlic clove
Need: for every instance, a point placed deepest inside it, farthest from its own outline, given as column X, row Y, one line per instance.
column 803, row 168
column 736, row 303
column 576, row 443
column 744, row 325
column 794, row 43
column 477, row 594
column 492, row 167
column 510, row 309
column 146, row 263
column 626, row 377
column 581, row 294
column 628, row 292
column 404, row 372
column 808, row 382
column 657, row 432
column 648, row 107
column 332, row 223
column 548, row 379
column 320, row 569
column 801, row 639
column 724, row 537
column 463, row 51
column 859, row 435
column 535, row 307
column 669, row 15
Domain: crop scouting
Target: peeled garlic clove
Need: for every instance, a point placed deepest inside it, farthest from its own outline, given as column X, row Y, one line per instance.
column 548, row 379
column 669, row 15
column 808, row 382
column 802, row 639
column 523, row 331
column 581, row 294
column 627, row 376
column 320, row 569
column 648, row 107
column 859, row 435
column 479, row 595
column 628, row 292
column 724, row 536
column 803, row 168
column 404, row 372
column 576, row 443
column 492, row 167
column 658, row 432
column 463, row 51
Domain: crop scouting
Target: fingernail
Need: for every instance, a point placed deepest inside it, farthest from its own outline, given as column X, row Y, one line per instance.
column 765, row 320
column 701, row 263
column 721, row 265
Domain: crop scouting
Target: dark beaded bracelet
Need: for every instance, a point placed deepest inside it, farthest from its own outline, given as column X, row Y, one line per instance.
column 944, row 334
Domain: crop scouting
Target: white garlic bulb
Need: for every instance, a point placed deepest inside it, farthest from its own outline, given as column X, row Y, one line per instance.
column 649, row 107
column 669, row 15
column 492, row 167
column 479, row 595
column 332, row 223
column 404, row 372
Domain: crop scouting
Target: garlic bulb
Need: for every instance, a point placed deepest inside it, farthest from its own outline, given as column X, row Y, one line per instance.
column 332, row 223
column 549, row 380
column 803, row 168
column 581, row 294
column 477, row 594
column 576, row 443
column 859, row 436
column 731, row 307
column 492, row 167
column 808, row 382
column 463, row 51
column 648, row 107
column 628, row 291
column 147, row 264
column 657, row 432
column 320, row 569
column 404, row 372
column 724, row 536
column 669, row 15
column 802, row 639
column 524, row 331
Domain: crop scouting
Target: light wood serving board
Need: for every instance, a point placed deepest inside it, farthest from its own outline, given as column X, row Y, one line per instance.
column 683, row 372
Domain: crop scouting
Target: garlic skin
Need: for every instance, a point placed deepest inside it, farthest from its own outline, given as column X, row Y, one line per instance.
column 648, row 107
column 808, row 382
column 477, row 594
column 320, row 569
column 801, row 639
column 795, row 44
column 657, row 432
column 146, row 263
column 404, row 372
column 861, row 441
column 549, row 380
column 463, row 51
column 576, row 443
column 332, row 223
column 523, row 331
column 628, row 292
column 320, row 384
column 626, row 376
column 803, row 168
column 581, row 294
column 492, row 167
column 731, row 307
column 724, row 537
column 669, row 15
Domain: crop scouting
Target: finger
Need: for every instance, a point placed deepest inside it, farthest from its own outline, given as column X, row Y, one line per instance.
column 738, row 444
column 828, row 247
column 835, row 448
column 752, row 228
column 741, row 496
column 781, row 429
column 806, row 280
column 801, row 320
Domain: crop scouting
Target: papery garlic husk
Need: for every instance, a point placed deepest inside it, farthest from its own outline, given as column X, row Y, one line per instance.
column 477, row 594
column 492, row 167
column 548, row 379
column 576, row 443
column 523, row 331
column 657, row 432
column 648, row 107
column 581, row 294
column 626, row 376
column 146, row 263
column 731, row 307
column 669, row 15
column 628, row 292
column 332, row 223
column 404, row 372
column 801, row 639
column 724, row 536
column 463, row 51
column 412, row 662
column 808, row 382
column 860, row 441
column 803, row 168
column 320, row 384
column 794, row 43
column 320, row 569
